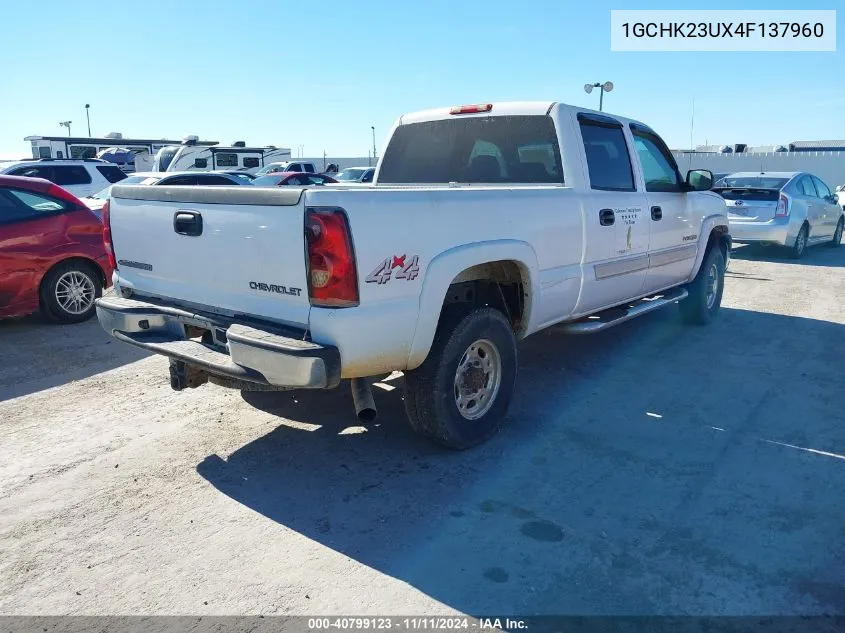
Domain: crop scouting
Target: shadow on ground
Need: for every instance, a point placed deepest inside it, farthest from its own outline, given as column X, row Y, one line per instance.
column 38, row 355
column 650, row 469
column 818, row 255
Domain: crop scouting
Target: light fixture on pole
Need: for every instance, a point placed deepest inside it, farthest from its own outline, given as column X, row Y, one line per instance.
column 67, row 125
column 88, row 118
column 607, row 86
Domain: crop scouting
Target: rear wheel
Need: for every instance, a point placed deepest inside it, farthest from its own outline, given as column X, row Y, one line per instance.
column 800, row 245
column 69, row 291
column 460, row 394
column 705, row 292
column 837, row 236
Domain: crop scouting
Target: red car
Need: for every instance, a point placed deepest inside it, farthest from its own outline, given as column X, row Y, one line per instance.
column 52, row 255
column 292, row 178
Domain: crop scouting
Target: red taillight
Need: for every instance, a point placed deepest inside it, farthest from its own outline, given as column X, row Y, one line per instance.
column 472, row 109
column 783, row 207
column 106, row 218
column 332, row 275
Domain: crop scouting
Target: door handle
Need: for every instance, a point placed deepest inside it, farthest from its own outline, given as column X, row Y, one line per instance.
column 607, row 217
column 187, row 223
column 656, row 213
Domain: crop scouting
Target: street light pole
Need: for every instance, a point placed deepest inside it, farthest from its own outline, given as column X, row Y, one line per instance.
column 67, row 125
column 373, row 128
column 88, row 118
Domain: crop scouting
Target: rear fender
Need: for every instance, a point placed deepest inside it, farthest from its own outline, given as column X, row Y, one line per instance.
column 446, row 266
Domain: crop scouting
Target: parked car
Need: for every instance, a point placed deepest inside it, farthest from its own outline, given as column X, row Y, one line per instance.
column 355, row 174
column 243, row 176
column 291, row 166
column 444, row 276
column 279, row 179
column 81, row 177
column 179, row 178
column 791, row 209
column 52, row 256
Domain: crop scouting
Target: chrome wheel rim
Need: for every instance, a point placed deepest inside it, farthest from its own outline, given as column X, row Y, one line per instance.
column 75, row 292
column 712, row 285
column 800, row 241
column 477, row 379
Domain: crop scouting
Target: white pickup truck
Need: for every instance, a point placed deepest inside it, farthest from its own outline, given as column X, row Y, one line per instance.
column 486, row 223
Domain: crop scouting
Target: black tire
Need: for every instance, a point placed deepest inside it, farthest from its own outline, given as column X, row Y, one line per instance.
column 59, row 281
column 796, row 251
column 430, row 391
column 837, row 236
column 698, row 308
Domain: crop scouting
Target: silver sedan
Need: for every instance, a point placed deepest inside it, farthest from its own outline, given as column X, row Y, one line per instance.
column 792, row 209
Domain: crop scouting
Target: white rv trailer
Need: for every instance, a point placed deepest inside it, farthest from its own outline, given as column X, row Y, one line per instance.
column 191, row 156
column 88, row 147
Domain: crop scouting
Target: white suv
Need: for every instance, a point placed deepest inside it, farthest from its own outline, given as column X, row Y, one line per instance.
column 82, row 177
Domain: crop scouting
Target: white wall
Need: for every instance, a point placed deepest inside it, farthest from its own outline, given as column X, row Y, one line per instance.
column 829, row 166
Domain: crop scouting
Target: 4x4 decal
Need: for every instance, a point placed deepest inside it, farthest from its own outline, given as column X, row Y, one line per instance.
column 384, row 271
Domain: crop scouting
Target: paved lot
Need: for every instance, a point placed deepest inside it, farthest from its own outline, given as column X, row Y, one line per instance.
column 650, row 469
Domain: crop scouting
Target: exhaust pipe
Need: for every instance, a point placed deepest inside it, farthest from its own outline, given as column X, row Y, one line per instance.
column 362, row 396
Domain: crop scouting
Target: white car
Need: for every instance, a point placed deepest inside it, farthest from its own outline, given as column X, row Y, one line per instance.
column 81, row 177
column 355, row 174
column 488, row 223
column 840, row 195
column 295, row 166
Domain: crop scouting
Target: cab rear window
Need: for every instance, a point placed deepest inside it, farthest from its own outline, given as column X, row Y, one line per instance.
column 497, row 149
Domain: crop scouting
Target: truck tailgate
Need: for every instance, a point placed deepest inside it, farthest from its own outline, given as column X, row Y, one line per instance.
column 236, row 249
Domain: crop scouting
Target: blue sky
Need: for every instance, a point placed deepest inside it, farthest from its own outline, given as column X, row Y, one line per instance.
column 319, row 74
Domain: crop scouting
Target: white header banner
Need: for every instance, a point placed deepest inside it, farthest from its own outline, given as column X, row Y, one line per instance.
column 714, row 30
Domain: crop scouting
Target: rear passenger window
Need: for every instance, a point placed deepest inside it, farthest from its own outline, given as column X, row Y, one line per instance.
column 70, row 175
column 250, row 162
column 608, row 161
column 110, row 173
column 226, row 160
column 309, row 168
column 806, row 187
column 33, row 172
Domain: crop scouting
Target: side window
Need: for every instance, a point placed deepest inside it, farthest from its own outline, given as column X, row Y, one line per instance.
column 83, row 151
column 33, row 172
column 821, row 188
column 226, row 160
column 201, row 163
column 294, row 167
column 44, row 152
column 368, row 177
column 59, row 154
column 608, row 161
column 294, row 181
column 806, row 187
column 17, row 205
column 214, row 180
column 659, row 170
column 70, row 175
column 309, row 168
column 251, row 162
column 110, row 173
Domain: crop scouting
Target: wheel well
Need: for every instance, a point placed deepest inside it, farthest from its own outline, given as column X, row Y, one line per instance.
column 719, row 235
column 82, row 260
column 499, row 284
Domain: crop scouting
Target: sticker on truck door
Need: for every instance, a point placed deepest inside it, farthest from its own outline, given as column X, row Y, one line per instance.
column 384, row 271
column 626, row 238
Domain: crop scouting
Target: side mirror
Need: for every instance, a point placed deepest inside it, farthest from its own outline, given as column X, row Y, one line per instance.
column 699, row 180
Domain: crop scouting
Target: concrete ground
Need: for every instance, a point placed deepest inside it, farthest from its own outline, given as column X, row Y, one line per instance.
column 651, row 469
